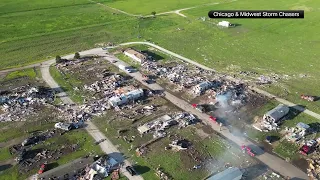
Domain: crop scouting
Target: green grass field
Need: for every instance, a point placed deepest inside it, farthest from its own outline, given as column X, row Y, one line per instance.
column 145, row 7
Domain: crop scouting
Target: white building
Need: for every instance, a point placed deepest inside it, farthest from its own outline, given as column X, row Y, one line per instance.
column 224, row 23
column 124, row 98
column 135, row 55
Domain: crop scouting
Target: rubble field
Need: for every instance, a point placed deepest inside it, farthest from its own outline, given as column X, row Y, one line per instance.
column 140, row 124
column 28, row 118
column 89, row 78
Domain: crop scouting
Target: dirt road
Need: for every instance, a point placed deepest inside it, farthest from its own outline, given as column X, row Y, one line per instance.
column 106, row 145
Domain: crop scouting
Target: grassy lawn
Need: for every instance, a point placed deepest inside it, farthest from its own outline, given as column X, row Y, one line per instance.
column 128, row 60
column 287, row 150
column 67, row 82
column 5, row 154
column 80, row 137
column 31, row 73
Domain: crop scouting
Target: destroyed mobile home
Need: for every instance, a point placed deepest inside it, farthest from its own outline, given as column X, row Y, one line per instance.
column 103, row 167
column 196, row 81
column 159, row 125
column 29, row 158
column 23, row 101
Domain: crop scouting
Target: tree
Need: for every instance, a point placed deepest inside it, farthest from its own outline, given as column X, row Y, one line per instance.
column 58, row 59
column 153, row 13
column 77, row 55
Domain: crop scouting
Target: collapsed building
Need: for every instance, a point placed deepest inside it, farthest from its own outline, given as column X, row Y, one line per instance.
column 122, row 99
column 103, row 167
column 158, row 126
column 272, row 118
column 20, row 102
column 296, row 133
column 200, row 88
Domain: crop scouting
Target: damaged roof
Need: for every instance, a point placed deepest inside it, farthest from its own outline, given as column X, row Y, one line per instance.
column 232, row 173
column 278, row 112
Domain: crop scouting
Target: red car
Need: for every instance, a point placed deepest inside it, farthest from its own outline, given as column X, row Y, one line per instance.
column 42, row 168
column 309, row 147
column 214, row 119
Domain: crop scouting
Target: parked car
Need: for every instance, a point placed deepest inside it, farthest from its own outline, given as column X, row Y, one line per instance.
column 131, row 170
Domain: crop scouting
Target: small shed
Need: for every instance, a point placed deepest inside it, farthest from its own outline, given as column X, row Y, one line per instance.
column 224, row 23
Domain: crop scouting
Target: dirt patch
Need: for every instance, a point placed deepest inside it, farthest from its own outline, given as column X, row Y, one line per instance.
column 207, row 129
column 202, row 134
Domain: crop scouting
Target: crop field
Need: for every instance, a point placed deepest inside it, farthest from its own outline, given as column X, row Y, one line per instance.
column 145, row 7
column 33, row 31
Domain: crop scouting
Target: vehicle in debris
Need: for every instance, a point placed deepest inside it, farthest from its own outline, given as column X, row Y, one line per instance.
column 125, row 68
column 113, row 61
column 148, row 81
column 42, row 169
column 63, row 126
column 309, row 147
column 30, row 141
column 248, row 150
column 21, row 155
column 214, row 119
column 131, row 170
column 198, row 107
column 307, row 97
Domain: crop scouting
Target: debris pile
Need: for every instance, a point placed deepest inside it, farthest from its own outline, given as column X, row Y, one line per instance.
column 157, row 126
column 23, row 101
column 296, row 133
column 107, row 85
column 178, row 74
column 314, row 168
column 179, row 145
column 185, row 119
column 162, row 175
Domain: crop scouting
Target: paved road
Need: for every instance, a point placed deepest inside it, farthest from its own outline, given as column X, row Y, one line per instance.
column 274, row 162
column 106, row 145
